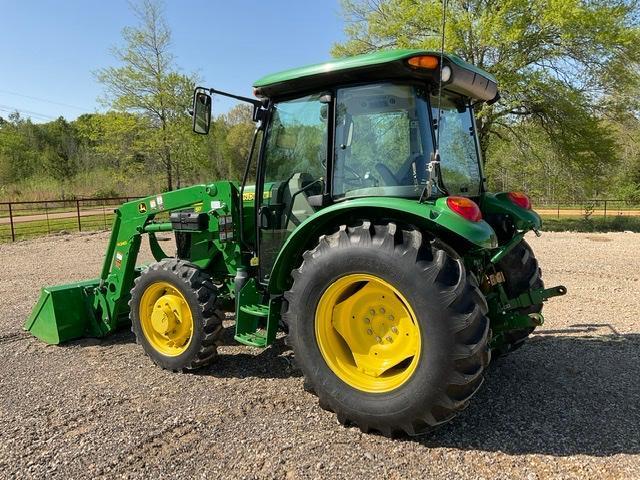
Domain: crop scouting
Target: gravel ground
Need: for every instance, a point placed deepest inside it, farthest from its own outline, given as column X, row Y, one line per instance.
column 567, row 405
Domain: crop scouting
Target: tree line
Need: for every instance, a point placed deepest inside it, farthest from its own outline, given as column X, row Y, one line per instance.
column 567, row 127
column 116, row 154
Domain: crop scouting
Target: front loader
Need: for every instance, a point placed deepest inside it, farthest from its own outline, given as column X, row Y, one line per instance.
column 367, row 237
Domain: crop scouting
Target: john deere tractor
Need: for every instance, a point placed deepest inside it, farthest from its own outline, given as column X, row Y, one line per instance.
column 367, row 237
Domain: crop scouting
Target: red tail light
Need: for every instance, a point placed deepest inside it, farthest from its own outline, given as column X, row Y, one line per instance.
column 520, row 199
column 465, row 207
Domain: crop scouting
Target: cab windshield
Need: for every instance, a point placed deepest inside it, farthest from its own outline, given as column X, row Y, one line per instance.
column 384, row 143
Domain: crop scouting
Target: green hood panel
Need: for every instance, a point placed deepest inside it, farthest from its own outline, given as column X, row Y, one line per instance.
column 433, row 216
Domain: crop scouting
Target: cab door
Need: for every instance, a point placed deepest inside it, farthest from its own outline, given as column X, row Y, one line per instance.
column 293, row 169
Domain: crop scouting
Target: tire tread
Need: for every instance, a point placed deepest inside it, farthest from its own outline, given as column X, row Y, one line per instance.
column 201, row 284
column 460, row 294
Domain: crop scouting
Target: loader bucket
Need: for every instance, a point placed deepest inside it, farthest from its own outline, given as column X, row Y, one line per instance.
column 64, row 312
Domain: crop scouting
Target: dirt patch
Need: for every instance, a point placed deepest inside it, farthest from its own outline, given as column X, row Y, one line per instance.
column 566, row 405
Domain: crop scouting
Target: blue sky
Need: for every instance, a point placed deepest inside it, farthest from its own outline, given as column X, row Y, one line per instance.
column 49, row 49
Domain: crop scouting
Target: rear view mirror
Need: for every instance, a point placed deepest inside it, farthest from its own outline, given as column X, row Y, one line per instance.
column 201, row 112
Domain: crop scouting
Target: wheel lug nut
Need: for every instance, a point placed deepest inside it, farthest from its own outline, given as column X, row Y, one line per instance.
column 378, row 339
column 369, row 331
column 389, row 339
column 372, row 311
column 394, row 330
column 381, row 310
column 391, row 317
column 367, row 320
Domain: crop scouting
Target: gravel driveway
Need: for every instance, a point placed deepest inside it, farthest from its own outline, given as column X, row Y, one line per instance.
column 567, row 405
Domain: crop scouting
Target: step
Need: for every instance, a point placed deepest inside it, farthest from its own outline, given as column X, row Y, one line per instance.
column 255, row 339
column 257, row 310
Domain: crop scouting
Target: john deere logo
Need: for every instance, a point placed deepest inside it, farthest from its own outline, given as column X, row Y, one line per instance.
column 142, row 208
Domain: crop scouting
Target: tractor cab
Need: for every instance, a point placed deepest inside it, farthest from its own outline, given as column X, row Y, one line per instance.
column 368, row 126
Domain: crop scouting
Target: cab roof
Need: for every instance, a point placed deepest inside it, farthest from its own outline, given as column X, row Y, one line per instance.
column 466, row 79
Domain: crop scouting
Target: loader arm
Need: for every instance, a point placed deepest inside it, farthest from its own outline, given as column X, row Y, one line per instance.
column 98, row 307
column 132, row 220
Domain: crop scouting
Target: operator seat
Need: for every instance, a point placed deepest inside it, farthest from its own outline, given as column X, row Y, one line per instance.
column 301, row 209
column 404, row 176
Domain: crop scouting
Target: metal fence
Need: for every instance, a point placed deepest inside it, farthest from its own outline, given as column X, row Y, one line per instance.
column 20, row 220
column 599, row 207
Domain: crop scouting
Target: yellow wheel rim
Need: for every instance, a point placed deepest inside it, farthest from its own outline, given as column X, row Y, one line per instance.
column 367, row 333
column 166, row 319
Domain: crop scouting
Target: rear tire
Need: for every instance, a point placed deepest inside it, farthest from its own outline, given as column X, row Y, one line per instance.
column 449, row 311
column 193, row 291
column 522, row 273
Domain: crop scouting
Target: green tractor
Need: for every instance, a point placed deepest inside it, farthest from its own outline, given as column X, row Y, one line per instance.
column 367, row 237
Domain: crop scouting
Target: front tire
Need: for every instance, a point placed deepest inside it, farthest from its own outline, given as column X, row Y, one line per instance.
column 175, row 316
column 392, row 375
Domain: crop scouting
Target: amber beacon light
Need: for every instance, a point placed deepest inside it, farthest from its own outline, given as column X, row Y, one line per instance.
column 428, row 62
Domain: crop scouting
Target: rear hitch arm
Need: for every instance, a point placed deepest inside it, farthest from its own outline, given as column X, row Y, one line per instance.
column 534, row 297
column 507, row 317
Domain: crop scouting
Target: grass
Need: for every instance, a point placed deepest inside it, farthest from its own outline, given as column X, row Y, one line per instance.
column 38, row 228
column 618, row 223
column 96, row 183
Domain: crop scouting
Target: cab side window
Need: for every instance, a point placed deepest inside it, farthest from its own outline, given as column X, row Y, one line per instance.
column 296, row 140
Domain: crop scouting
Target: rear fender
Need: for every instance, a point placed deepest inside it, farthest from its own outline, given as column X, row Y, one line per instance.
column 499, row 204
column 432, row 216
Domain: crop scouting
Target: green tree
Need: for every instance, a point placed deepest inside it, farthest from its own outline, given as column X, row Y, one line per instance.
column 625, row 181
column 17, row 155
column 113, row 139
column 61, row 149
column 558, row 62
column 148, row 82
column 239, row 133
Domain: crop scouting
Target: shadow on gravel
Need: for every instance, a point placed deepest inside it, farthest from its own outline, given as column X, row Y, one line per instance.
column 273, row 362
column 558, row 395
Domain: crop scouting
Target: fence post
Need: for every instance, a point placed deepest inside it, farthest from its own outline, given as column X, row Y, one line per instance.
column 13, row 232
column 46, row 212
column 78, row 212
column 558, row 209
column 605, row 209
